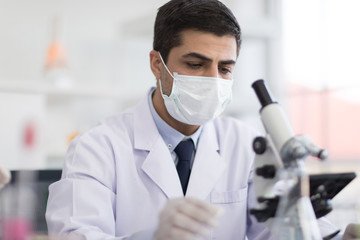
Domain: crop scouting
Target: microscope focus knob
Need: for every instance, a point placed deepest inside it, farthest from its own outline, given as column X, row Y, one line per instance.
column 259, row 145
column 266, row 171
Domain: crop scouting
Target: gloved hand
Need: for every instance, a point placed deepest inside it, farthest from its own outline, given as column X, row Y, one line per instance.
column 186, row 218
column 4, row 176
column 352, row 232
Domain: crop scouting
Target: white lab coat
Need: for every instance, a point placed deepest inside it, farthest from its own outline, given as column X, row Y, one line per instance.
column 118, row 176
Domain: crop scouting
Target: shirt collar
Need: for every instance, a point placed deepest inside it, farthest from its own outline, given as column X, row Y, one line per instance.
column 170, row 136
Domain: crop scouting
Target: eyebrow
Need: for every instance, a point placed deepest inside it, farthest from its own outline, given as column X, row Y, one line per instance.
column 206, row 59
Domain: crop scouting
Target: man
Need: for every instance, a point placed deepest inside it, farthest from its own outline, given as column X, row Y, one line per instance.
column 127, row 177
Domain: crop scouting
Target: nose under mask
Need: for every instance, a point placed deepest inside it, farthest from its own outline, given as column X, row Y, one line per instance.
column 195, row 100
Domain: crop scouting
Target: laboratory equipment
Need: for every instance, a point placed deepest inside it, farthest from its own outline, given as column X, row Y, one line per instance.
column 56, row 69
column 23, row 204
column 17, row 209
column 289, row 199
column 4, row 176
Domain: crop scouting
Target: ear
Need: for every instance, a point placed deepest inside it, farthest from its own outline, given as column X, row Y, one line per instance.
column 155, row 64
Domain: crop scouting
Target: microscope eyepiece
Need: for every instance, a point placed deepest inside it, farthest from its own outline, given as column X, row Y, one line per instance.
column 262, row 93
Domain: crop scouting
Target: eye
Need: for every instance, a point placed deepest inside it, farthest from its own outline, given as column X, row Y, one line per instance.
column 194, row 65
column 225, row 70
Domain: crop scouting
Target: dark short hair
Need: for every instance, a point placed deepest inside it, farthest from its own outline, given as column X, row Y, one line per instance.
column 203, row 15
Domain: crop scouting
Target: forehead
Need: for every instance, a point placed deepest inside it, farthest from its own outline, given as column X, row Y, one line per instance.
column 207, row 44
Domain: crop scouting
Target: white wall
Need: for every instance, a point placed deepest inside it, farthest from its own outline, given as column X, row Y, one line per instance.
column 90, row 32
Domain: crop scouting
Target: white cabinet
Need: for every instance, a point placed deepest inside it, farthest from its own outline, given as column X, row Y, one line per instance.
column 21, row 130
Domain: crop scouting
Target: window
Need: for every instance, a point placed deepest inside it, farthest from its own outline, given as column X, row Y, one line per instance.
column 321, row 60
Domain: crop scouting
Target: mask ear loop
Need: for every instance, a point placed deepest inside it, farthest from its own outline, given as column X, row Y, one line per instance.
column 162, row 60
column 167, row 71
column 162, row 94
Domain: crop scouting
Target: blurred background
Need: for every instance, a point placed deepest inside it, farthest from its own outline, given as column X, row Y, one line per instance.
column 65, row 65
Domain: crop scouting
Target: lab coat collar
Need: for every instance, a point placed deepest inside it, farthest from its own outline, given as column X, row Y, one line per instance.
column 208, row 165
column 145, row 130
column 159, row 165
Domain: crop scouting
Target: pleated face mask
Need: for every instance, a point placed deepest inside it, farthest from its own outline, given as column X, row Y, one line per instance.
column 195, row 100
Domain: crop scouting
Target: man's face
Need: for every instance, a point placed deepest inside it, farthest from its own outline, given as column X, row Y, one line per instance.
column 200, row 54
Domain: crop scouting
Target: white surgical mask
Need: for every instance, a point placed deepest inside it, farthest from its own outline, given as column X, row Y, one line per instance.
column 195, row 100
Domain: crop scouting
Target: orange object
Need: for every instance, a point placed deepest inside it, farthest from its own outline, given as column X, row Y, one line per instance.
column 72, row 136
column 55, row 56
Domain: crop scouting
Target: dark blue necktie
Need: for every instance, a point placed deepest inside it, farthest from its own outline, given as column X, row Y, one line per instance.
column 184, row 151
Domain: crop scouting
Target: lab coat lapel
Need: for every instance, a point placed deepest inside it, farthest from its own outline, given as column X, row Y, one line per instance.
column 208, row 165
column 158, row 164
column 160, row 167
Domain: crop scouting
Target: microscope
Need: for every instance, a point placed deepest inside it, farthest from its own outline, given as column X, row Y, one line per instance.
column 289, row 199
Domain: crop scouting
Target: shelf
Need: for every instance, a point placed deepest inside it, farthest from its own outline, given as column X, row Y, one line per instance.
column 51, row 90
